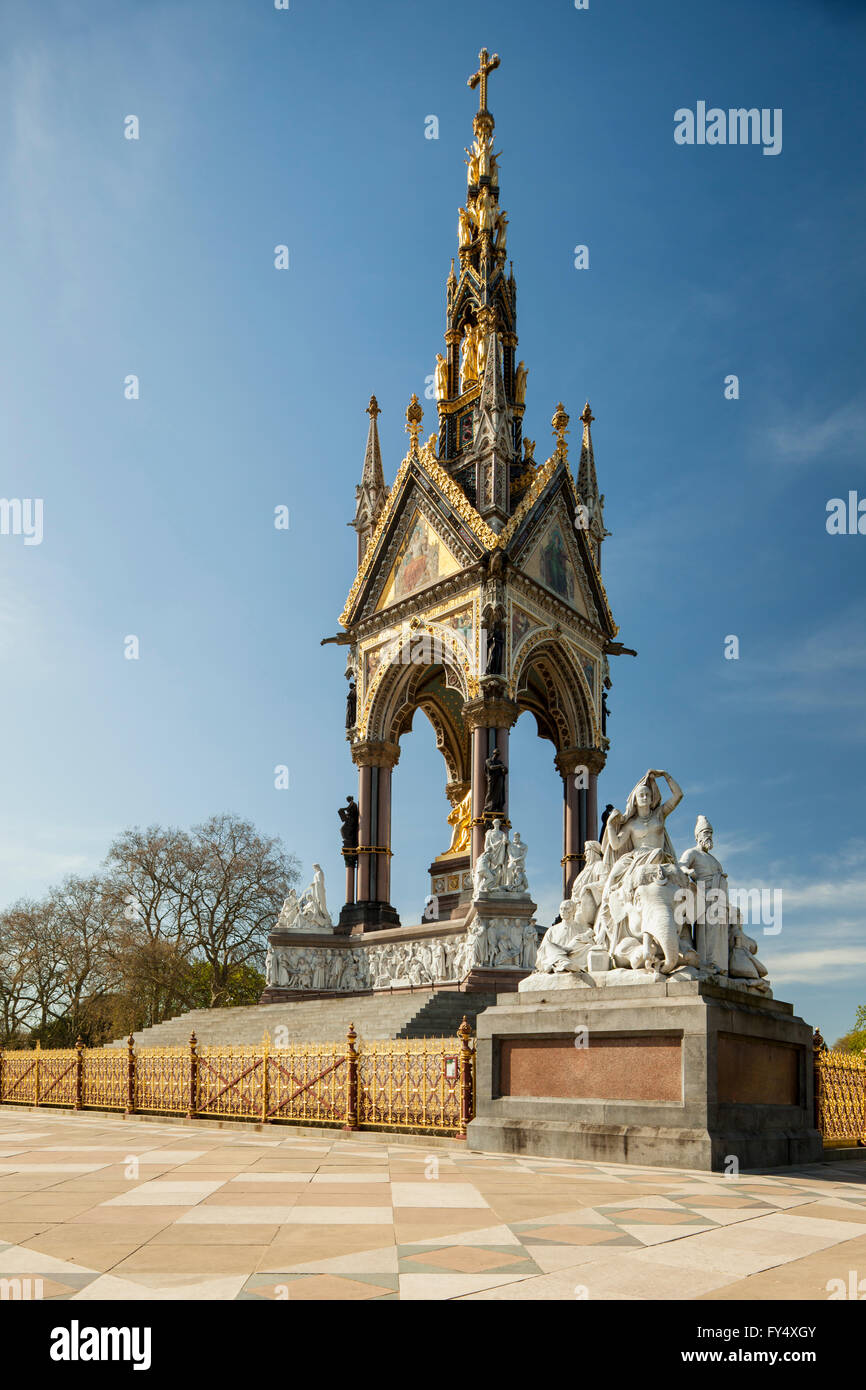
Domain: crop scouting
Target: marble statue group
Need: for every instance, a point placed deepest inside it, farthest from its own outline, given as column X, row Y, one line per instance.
column 636, row 907
column 501, row 865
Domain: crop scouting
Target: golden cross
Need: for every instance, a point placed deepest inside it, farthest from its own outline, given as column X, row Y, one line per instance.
column 486, row 65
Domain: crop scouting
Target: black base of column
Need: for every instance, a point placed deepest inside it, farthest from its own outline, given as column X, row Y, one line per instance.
column 366, row 916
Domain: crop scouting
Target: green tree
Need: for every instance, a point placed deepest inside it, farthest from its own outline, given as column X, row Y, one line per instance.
column 855, row 1040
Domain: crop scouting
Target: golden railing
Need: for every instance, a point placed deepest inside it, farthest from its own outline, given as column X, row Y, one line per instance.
column 422, row 1084
column 840, row 1095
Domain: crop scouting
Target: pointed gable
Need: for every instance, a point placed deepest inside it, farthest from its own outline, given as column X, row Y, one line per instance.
column 427, row 531
column 552, row 562
column 422, row 559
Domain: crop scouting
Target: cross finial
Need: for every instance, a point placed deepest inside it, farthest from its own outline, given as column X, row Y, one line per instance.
column 486, row 65
column 373, row 408
column 587, row 417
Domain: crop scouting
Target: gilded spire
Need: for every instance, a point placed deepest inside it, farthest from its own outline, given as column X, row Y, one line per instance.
column 480, row 309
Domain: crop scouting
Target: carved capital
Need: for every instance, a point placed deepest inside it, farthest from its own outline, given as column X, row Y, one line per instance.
column 372, row 754
column 490, row 711
column 569, row 759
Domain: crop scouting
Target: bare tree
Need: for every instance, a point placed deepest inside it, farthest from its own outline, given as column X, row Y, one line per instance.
column 236, row 881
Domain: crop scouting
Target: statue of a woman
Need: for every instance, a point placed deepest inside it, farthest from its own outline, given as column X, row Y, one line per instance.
column 464, row 227
column 469, row 365
column 441, row 375
column 515, row 874
column 642, row 827
column 588, row 887
column 520, row 375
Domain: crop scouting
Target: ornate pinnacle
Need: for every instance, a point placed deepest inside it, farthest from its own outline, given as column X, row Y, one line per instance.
column 560, row 425
column 414, row 416
column 587, row 417
column 373, row 408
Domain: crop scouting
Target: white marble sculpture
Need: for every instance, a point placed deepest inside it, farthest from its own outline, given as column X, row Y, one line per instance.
column 566, row 944
column 309, row 913
column 501, row 866
column 711, row 924
column 515, row 875
column 634, row 905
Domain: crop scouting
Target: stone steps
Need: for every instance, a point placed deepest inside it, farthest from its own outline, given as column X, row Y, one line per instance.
column 414, row 1014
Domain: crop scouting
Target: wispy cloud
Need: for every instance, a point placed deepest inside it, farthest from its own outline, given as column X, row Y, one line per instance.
column 820, row 966
column 823, row 671
column 802, row 439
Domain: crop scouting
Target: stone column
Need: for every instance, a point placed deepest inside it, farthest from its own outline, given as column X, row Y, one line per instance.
column 592, row 807
column 490, row 718
column 384, row 833
column 372, row 908
column 580, row 807
column 365, row 830
column 351, row 861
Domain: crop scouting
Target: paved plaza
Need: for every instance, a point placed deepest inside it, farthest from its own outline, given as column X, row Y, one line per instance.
column 97, row 1207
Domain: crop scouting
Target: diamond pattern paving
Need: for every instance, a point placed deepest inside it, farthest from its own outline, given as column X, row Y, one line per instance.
column 97, row 1207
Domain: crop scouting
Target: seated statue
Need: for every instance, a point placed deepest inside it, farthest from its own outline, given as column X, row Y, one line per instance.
column 744, row 963
column 565, row 945
column 485, row 877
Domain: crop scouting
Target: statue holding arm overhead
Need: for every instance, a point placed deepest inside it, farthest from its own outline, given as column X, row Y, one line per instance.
column 642, row 827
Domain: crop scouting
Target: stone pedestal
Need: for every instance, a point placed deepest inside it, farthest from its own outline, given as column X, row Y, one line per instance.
column 357, row 918
column 683, row 1074
column 451, row 885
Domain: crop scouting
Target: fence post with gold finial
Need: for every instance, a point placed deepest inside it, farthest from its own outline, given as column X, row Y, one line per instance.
column 265, row 1088
column 130, row 1075
column 351, row 1080
column 464, row 1033
column 79, row 1074
column 192, row 1100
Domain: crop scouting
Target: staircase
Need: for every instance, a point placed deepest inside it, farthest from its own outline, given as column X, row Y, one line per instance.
column 420, row 1013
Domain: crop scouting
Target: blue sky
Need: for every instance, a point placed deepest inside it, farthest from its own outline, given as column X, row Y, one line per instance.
column 306, row 127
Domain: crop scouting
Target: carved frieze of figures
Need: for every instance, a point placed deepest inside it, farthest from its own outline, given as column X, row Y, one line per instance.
column 510, row 943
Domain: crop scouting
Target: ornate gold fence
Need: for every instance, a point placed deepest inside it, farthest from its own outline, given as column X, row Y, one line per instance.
column 840, row 1094
column 422, row 1084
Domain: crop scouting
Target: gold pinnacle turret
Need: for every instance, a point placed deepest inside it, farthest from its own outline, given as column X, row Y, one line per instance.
column 414, row 416
column 560, row 425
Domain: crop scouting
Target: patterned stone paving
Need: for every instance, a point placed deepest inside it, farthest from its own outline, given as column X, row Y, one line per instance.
column 96, row 1207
